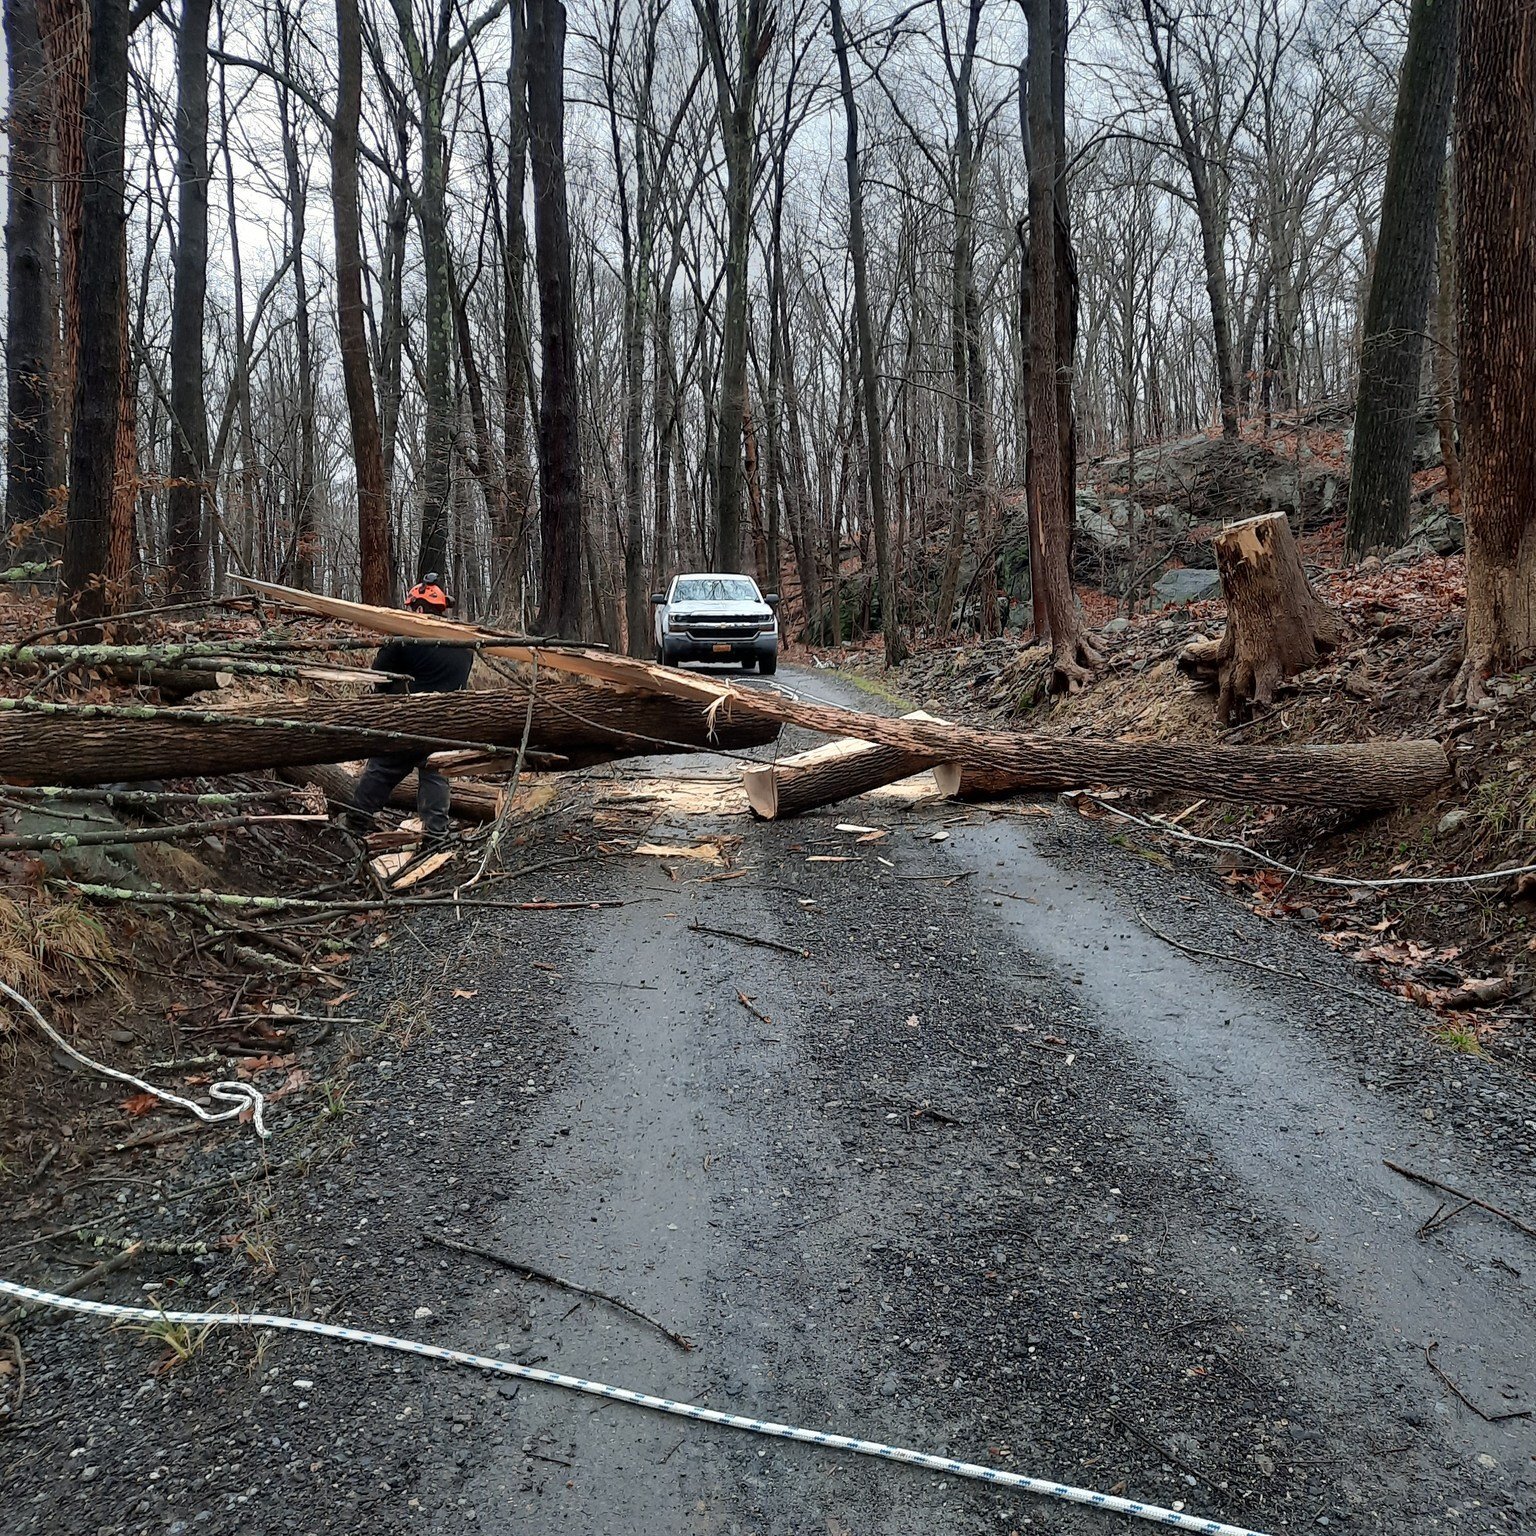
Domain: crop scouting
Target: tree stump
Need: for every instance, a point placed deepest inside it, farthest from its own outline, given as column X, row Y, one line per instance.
column 1276, row 625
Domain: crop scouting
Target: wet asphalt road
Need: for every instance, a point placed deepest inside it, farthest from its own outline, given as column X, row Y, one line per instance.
column 988, row 1170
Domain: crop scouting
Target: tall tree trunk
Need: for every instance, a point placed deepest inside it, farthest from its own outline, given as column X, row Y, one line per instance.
column 507, row 561
column 30, row 315
column 737, row 106
column 1445, row 344
column 375, row 541
column 97, row 413
column 560, row 499
column 874, row 421
column 1496, row 225
column 65, row 27
column 1391, row 355
column 189, row 415
column 1072, row 656
column 437, row 432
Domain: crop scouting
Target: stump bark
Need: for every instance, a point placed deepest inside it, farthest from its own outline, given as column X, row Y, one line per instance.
column 1276, row 625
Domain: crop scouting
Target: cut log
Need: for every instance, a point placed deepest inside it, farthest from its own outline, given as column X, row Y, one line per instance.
column 829, row 773
column 472, row 801
column 1276, row 625
column 68, row 744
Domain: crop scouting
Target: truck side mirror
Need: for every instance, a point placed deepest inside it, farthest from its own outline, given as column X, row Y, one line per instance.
column 772, row 599
column 658, row 597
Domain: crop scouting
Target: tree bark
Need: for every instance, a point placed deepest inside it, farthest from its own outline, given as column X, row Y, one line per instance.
column 560, row 500
column 1371, row 776
column 1072, row 656
column 189, row 416
column 29, row 344
column 1391, row 355
column 97, row 414
column 1276, row 625
column 737, row 108
column 375, row 536
column 1496, row 225
column 508, row 555
column 65, row 745
column 874, row 419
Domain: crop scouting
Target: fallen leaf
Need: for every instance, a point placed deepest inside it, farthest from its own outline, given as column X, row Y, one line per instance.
column 466, row 992
column 141, row 1104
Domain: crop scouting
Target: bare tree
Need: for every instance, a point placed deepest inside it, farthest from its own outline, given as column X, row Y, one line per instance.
column 1207, row 112
column 1391, row 355
column 187, row 544
column 376, row 556
column 560, row 479
column 874, row 416
column 31, row 310
column 736, row 55
column 86, row 580
column 1496, row 224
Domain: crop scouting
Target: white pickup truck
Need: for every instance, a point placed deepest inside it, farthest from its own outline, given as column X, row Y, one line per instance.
column 707, row 616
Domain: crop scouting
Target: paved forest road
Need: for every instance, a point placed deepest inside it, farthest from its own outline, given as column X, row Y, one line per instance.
column 988, row 1169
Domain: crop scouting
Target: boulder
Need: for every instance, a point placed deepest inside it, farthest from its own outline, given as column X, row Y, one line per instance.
column 1184, row 586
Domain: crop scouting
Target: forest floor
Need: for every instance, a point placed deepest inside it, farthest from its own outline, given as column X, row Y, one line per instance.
column 977, row 1161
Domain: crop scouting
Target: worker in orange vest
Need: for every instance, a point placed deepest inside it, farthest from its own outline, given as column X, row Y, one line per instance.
column 429, row 668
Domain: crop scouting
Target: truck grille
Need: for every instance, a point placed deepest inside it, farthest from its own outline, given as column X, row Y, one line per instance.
column 722, row 629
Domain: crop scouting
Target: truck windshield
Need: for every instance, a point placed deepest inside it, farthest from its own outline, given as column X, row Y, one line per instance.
column 715, row 589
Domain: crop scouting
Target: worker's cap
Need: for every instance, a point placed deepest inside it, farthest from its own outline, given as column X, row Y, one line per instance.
column 428, row 593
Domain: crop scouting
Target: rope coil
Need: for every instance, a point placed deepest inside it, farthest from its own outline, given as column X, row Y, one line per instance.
column 1042, row 1487
column 240, row 1096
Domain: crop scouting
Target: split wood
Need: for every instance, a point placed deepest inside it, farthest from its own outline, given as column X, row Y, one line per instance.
column 81, row 1281
column 750, row 938
column 1259, row 965
column 1460, row 1194
column 1487, row 1418
column 533, row 1272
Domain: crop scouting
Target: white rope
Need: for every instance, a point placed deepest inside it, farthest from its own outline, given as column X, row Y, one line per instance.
column 942, row 1464
column 241, row 1096
column 1300, row 874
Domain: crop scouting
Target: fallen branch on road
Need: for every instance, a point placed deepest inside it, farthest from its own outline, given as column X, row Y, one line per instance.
column 1460, row 1194
column 1259, row 965
column 749, row 938
column 1461, row 1397
column 533, row 1272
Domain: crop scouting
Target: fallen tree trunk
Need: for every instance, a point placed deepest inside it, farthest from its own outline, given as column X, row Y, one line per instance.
column 471, row 801
column 836, row 771
column 92, row 744
column 1276, row 624
column 1371, row 776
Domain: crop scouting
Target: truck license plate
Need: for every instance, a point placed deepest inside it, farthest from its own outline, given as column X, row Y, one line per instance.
column 722, row 649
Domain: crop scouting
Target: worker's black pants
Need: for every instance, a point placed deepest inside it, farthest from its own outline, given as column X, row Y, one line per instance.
column 382, row 775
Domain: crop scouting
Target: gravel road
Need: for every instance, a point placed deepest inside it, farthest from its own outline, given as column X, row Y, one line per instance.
column 965, row 1158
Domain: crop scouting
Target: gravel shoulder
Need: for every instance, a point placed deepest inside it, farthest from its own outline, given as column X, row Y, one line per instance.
column 980, row 1165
